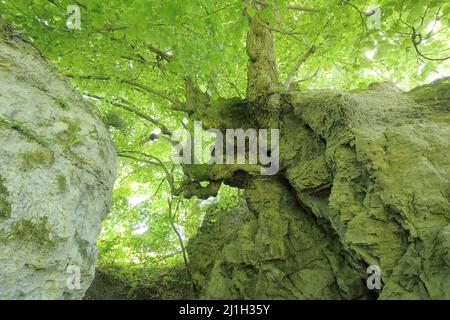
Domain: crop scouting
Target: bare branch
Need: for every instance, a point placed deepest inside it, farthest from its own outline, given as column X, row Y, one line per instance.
column 127, row 105
column 138, row 159
column 416, row 48
column 416, row 39
column 161, row 94
column 157, row 162
column 310, row 77
column 160, row 53
column 141, row 87
column 361, row 14
column 294, row 72
column 303, row 9
column 139, row 59
column 89, row 77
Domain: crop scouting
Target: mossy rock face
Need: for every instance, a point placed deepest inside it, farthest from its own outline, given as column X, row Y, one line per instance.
column 5, row 206
column 37, row 158
column 62, row 183
column 55, row 179
column 274, row 250
column 38, row 232
column 364, row 180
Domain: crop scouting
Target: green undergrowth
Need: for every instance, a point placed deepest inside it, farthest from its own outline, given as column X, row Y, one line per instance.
column 141, row 282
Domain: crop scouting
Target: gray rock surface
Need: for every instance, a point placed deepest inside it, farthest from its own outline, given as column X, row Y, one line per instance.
column 57, row 170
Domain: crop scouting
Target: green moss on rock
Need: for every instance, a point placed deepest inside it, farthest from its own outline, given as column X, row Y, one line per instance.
column 71, row 135
column 37, row 232
column 61, row 102
column 23, row 129
column 29, row 160
column 5, row 206
column 62, row 183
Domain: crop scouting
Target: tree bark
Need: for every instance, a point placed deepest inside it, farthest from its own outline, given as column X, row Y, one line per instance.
column 262, row 73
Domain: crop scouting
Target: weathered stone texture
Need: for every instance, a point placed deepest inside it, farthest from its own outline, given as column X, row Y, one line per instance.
column 365, row 181
column 57, row 169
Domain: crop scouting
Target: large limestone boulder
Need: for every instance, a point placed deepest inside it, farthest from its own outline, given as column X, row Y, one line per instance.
column 365, row 181
column 57, row 169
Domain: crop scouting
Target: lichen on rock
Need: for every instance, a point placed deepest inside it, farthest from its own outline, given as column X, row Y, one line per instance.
column 55, row 188
column 5, row 206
